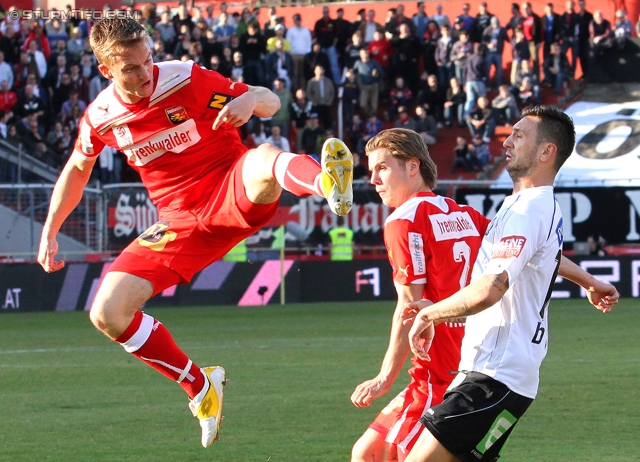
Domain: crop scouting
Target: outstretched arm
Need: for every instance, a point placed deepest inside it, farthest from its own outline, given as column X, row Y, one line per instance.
column 258, row 101
column 602, row 295
column 397, row 351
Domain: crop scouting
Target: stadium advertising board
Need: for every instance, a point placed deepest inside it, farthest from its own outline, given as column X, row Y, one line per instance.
column 613, row 213
column 25, row 287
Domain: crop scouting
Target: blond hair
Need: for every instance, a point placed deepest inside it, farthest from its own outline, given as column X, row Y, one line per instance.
column 110, row 36
column 406, row 144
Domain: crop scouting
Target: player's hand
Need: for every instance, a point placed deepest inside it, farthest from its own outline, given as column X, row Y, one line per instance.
column 237, row 112
column 421, row 336
column 47, row 253
column 411, row 309
column 367, row 391
column 603, row 296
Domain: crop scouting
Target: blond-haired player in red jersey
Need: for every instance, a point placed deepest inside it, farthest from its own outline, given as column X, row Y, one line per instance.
column 432, row 243
column 177, row 124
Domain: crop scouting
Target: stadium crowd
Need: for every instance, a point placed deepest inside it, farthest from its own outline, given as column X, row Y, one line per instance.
column 426, row 72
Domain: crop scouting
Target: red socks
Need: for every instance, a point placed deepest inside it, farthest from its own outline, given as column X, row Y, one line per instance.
column 148, row 340
column 298, row 173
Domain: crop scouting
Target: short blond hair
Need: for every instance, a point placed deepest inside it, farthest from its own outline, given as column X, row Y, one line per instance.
column 406, row 144
column 110, row 36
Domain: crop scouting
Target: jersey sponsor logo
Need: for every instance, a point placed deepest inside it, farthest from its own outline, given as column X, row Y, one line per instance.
column 219, row 100
column 177, row 115
column 174, row 139
column 123, row 136
column 168, row 81
column 454, row 225
column 416, row 249
column 157, row 236
column 509, row 247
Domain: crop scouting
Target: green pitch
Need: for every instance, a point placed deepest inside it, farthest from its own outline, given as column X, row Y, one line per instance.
column 69, row 394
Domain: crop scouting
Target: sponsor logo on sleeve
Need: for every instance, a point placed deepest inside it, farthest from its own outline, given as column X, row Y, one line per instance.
column 177, row 115
column 219, row 100
column 85, row 138
column 509, row 247
column 454, row 225
column 123, row 136
column 416, row 249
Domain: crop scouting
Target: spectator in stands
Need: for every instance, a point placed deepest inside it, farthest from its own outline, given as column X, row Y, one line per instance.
column 282, row 117
column 279, row 35
column 167, row 31
column 8, row 98
column 237, row 69
column 315, row 58
column 361, row 18
column 42, row 42
column 29, row 103
column 72, row 102
column 35, row 144
column 480, row 22
column 356, row 134
column 183, row 44
column 494, row 38
column 76, row 44
column 279, row 63
column 526, row 93
column 4, row 119
column 505, row 106
column 242, row 26
column 441, row 18
column 404, row 120
column 461, row 155
column 87, row 66
column 399, row 96
column 6, row 72
column 454, row 103
column 60, row 49
column 39, row 58
column 420, row 20
column 56, row 30
column 223, row 31
column 252, row 46
column 601, row 35
column 381, row 51
column 370, row 77
column 301, row 42
column 584, row 20
column 371, row 128
column 325, row 32
column 344, row 36
column 425, row 126
column 278, row 139
column 570, row 34
column 311, row 136
column 481, row 119
column 432, row 97
column 460, row 52
column 556, row 69
column 622, row 29
column 352, row 50
column 475, row 76
column 551, row 25
column 406, row 54
column 369, row 27
column 360, row 169
column 520, row 53
column 97, row 84
column 429, row 47
column 158, row 53
column 532, row 28
column 479, row 153
column 51, row 139
column 465, row 19
column 401, row 19
column 442, row 55
column 79, row 81
column 638, row 27
column 182, row 18
column 321, row 93
column 350, row 95
column 301, row 110
column 10, row 45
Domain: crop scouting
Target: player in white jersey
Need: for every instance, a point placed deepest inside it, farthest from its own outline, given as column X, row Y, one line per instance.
column 506, row 304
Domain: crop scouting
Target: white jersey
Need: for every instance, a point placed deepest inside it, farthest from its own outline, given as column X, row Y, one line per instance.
column 508, row 341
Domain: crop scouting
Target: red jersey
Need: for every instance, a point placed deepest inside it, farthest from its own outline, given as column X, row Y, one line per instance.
column 168, row 137
column 432, row 240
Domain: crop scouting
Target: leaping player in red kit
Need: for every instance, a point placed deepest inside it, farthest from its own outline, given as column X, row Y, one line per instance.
column 177, row 124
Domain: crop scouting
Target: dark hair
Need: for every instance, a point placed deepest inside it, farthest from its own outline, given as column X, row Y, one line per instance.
column 554, row 126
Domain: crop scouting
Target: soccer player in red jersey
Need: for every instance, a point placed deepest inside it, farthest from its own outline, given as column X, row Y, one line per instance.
column 432, row 243
column 177, row 124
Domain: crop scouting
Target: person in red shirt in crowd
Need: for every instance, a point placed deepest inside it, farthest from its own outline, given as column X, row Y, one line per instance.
column 37, row 35
column 8, row 98
column 381, row 51
column 177, row 123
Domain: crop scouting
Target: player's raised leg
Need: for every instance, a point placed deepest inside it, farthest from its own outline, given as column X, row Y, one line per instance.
column 267, row 170
column 116, row 312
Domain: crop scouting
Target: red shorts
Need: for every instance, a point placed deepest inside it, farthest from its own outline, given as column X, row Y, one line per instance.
column 184, row 242
column 399, row 422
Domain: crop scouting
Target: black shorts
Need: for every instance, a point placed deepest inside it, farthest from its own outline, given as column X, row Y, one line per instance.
column 476, row 417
